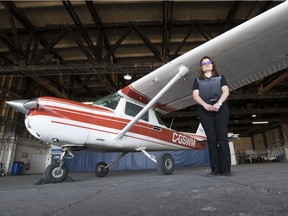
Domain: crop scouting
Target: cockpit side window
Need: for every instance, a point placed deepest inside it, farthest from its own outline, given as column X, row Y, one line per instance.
column 133, row 109
column 110, row 101
column 159, row 119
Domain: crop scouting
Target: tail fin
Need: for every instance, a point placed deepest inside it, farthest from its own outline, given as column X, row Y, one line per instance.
column 200, row 131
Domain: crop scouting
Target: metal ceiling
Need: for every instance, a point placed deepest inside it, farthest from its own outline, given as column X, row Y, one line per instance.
column 80, row 50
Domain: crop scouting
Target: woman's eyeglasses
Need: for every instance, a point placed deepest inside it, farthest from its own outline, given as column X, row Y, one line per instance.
column 206, row 63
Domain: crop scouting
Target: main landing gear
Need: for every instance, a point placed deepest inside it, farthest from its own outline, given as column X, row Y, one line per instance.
column 165, row 164
column 101, row 169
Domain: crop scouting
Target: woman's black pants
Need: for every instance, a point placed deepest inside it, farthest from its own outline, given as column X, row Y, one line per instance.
column 215, row 125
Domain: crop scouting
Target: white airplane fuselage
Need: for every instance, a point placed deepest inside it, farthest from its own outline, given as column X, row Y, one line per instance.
column 63, row 122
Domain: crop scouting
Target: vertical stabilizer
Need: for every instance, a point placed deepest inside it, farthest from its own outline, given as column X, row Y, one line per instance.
column 200, row 130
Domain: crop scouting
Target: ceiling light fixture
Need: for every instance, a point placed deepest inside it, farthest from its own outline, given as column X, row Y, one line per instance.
column 260, row 122
column 127, row 77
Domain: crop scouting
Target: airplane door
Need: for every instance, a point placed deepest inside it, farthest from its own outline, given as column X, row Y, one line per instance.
column 158, row 130
column 131, row 110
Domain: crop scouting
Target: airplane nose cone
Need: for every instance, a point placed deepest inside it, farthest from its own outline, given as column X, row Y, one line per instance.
column 22, row 106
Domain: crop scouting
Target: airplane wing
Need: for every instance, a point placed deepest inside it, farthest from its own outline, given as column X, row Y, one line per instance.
column 248, row 52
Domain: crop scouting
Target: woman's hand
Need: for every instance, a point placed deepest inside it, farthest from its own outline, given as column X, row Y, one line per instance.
column 208, row 107
column 216, row 107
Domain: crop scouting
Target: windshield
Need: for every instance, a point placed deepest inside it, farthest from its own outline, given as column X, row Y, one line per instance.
column 110, row 101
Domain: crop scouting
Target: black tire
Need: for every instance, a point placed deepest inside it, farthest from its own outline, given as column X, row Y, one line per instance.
column 2, row 174
column 99, row 169
column 165, row 164
column 51, row 174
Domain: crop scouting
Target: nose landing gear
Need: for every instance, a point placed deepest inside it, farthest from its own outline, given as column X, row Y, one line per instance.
column 58, row 171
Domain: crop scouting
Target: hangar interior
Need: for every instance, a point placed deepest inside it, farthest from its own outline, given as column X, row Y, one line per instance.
column 81, row 50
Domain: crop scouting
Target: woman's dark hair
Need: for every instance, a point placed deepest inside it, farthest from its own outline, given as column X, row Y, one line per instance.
column 214, row 70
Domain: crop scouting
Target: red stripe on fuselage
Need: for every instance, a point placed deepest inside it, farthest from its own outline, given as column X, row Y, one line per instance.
column 72, row 103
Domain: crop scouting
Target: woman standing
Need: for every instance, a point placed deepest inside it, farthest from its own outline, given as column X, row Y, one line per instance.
column 210, row 91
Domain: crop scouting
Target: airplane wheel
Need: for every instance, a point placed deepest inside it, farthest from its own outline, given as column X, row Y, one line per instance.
column 52, row 174
column 165, row 164
column 100, row 170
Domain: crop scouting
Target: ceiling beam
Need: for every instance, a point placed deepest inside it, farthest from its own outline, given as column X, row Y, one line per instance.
column 74, row 16
column 6, row 40
column 201, row 29
column 183, row 42
column 148, row 42
column 49, row 47
column 263, row 89
column 17, row 42
column 242, row 111
column 26, row 23
column 101, row 36
column 50, row 87
column 123, row 25
column 231, row 14
column 116, row 45
column 76, row 38
column 265, row 6
column 79, row 69
column 250, row 96
column 166, row 30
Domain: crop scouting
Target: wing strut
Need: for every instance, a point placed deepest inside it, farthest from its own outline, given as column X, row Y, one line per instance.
column 183, row 70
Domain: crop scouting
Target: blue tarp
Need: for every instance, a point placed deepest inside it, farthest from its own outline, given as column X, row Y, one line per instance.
column 84, row 161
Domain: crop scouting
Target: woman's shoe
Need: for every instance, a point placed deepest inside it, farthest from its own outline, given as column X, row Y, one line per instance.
column 228, row 174
column 213, row 174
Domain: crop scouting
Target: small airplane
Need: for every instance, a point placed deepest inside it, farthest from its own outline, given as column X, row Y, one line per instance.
column 128, row 120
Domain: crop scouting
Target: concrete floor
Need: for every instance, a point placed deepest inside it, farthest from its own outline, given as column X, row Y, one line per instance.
column 256, row 189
